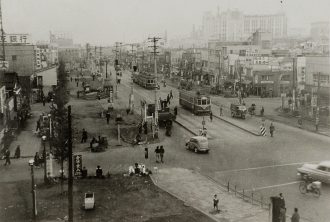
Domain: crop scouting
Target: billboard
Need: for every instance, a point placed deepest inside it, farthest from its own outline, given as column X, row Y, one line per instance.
column 22, row 39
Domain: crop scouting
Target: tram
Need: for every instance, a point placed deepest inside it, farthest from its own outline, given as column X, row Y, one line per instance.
column 145, row 80
column 196, row 102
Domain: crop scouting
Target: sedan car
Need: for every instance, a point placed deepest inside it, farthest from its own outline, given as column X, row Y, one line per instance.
column 319, row 171
column 198, row 144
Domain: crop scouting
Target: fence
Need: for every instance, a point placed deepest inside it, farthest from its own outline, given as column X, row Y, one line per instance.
column 248, row 196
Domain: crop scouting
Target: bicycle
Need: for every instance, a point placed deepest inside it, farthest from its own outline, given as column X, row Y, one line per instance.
column 310, row 187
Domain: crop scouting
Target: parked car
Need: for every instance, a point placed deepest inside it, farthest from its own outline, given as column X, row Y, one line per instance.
column 319, row 171
column 198, row 144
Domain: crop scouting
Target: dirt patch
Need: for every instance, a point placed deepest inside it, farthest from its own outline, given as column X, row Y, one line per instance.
column 118, row 198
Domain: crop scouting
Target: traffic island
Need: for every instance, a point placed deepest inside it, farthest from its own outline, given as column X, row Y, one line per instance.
column 117, row 198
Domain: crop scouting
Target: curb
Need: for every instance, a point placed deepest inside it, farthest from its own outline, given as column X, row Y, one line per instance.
column 170, row 193
column 186, row 128
column 253, row 133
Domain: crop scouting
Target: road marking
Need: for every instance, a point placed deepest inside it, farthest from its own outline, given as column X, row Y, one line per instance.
column 265, row 167
column 272, row 186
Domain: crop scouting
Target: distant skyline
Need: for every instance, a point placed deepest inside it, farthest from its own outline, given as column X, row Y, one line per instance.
column 102, row 22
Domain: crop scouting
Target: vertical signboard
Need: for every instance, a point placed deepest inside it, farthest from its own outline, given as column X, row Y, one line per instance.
column 77, row 165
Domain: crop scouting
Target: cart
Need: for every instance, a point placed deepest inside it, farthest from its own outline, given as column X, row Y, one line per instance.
column 89, row 201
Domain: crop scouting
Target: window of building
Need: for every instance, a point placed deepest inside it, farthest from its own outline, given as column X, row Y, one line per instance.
column 14, row 57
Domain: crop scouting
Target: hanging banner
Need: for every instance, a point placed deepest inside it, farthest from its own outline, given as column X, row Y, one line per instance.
column 77, row 165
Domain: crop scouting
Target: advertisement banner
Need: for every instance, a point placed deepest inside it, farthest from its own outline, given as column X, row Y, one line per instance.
column 22, row 39
column 77, row 165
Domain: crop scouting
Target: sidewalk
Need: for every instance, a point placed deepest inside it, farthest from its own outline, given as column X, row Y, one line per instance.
column 28, row 141
column 198, row 191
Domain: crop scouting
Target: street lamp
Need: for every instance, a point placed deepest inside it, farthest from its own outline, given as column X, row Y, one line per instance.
column 44, row 158
column 33, row 191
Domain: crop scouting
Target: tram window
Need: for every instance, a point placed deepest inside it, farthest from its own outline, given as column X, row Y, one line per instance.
column 203, row 101
column 199, row 102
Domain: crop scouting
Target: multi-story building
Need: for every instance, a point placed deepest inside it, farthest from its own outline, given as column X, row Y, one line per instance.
column 45, row 55
column 233, row 25
column 320, row 31
column 275, row 24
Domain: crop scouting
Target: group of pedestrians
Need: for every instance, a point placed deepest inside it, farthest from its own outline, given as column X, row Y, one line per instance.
column 159, row 154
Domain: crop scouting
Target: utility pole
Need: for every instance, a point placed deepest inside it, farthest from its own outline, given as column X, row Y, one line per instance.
column 131, row 97
column 100, row 65
column 3, row 58
column 317, row 114
column 294, row 69
column 70, row 181
column 116, row 67
column 154, row 40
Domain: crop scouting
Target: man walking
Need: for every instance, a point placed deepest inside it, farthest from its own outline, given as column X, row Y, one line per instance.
column 157, row 154
column 271, row 129
column 220, row 110
column 84, row 136
column 171, row 94
column 108, row 117
column 211, row 116
column 7, row 157
column 161, row 152
column 175, row 111
column 295, row 216
column 215, row 203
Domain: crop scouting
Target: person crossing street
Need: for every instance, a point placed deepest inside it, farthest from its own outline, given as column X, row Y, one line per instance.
column 211, row 116
column 271, row 129
column 7, row 157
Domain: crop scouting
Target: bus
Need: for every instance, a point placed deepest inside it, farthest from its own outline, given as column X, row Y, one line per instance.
column 196, row 102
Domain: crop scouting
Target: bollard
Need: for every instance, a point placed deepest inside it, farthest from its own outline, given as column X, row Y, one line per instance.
column 228, row 186
column 243, row 194
column 235, row 190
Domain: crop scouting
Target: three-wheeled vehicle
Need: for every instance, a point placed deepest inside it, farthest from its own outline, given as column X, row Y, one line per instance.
column 238, row 110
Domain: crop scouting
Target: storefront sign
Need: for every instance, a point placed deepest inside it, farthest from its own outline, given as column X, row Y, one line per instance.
column 2, row 98
column 23, row 39
column 314, row 101
column 77, row 165
column 268, row 81
column 285, row 82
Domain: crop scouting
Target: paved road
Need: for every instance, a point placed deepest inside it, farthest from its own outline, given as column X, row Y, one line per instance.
column 264, row 165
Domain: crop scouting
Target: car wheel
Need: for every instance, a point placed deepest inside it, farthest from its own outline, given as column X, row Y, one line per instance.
column 316, row 192
column 207, row 151
column 195, row 150
column 303, row 187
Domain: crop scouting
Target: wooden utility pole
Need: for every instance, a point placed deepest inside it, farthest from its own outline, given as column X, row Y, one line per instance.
column 154, row 40
column 70, row 181
column 294, row 71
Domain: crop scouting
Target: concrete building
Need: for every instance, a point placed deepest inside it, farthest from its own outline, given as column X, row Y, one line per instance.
column 233, row 25
column 320, row 31
column 275, row 24
column 20, row 58
column 46, row 55
column 263, row 39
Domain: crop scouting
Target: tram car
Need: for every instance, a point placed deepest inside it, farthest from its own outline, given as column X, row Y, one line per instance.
column 196, row 102
column 147, row 81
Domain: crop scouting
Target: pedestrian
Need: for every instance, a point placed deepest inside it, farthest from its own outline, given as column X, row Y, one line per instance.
column 36, row 159
column 128, row 110
column 168, row 99
column 216, row 203
column 161, row 152
column 77, row 83
column 175, row 111
column 17, row 152
column 211, row 116
column 7, row 157
column 282, row 217
column 171, row 94
column 295, row 216
column 71, row 78
column 99, row 172
column 43, row 101
column 271, row 129
column 262, row 111
column 157, row 154
column 220, row 110
column 38, row 125
column 108, row 117
column 282, row 201
column 84, row 136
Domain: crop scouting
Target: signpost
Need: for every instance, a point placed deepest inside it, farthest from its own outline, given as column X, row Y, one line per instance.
column 77, row 165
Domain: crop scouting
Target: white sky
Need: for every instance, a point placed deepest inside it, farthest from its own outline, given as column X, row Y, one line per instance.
column 103, row 22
